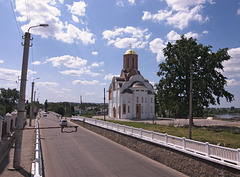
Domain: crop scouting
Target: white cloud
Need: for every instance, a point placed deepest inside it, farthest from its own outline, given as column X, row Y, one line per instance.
column 132, row 2
column 1, row 61
column 66, row 90
column 97, row 64
column 47, row 84
column 68, row 61
column 238, row 11
column 160, row 16
column 9, row 74
column 95, row 53
column 12, row 74
column 181, row 13
column 157, row 46
column 78, row 8
column 94, row 82
column 205, row 32
column 119, row 3
column 122, row 37
column 233, row 82
column 47, row 12
column 79, row 72
column 173, row 36
column 79, row 65
column 36, row 63
column 191, row 34
column 179, row 5
column 75, row 18
column 232, row 66
column 73, row 72
column 109, row 76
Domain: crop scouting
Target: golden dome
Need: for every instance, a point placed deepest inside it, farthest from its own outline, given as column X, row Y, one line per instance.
column 130, row 51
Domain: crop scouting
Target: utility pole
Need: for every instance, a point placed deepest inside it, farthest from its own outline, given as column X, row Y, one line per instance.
column 80, row 106
column 31, row 106
column 21, row 103
column 190, row 102
column 104, row 106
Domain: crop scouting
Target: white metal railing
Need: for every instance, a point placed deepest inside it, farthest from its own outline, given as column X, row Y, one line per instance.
column 37, row 165
column 208, row 151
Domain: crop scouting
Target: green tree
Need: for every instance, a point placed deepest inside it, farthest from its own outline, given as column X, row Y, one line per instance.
column 208, row 81
column 8, row 100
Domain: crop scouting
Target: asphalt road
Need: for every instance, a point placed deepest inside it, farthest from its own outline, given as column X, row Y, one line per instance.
column 86, row 154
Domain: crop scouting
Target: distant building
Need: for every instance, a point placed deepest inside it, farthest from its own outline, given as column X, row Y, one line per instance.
column 130, row 95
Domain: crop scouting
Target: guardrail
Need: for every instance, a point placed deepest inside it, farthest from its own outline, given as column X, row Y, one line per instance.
column 226, row 156
column 37, row 165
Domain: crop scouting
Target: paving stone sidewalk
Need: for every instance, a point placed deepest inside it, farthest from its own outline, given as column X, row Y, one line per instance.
column 27, row 156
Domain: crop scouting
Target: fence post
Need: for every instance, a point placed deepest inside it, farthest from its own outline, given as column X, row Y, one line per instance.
column 152, row 134
column 7, row 118
column 14, row 116
column 166, row 138
column 124, row 128
column 207, row 149
column 238, row 156
column 132, row 130
column 184, row 143
column 141, row 132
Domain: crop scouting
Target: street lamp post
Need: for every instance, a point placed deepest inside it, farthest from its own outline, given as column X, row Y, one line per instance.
column 21, row 103
column 31, row 106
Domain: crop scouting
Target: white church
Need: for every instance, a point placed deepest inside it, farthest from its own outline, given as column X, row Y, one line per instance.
column 130, row 95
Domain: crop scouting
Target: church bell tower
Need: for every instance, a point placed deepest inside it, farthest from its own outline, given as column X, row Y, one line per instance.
column 130, row 60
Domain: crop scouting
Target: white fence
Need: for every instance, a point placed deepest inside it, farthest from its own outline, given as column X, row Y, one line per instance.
column 226, row 156
column 37, row 165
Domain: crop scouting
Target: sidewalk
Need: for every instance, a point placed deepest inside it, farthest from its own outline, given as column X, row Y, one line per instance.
column 27, row 156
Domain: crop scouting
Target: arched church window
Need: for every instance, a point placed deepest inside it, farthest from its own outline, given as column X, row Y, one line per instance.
column 132, row 62
column 127, row 62
column 137, row 99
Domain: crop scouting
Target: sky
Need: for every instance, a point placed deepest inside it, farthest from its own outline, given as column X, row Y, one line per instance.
column 83, row 47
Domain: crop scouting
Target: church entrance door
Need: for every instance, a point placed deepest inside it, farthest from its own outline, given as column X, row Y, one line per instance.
column 138, row 111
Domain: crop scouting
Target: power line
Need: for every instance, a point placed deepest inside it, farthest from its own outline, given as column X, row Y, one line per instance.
column 27, row 10
column 15, row 18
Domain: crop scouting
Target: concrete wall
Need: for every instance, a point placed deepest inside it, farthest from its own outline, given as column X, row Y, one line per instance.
column 185, row 163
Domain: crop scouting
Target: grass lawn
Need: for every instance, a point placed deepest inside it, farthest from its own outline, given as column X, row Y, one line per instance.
column 225, row 136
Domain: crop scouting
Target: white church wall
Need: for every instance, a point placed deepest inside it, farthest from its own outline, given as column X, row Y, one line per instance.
column 127, row 100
